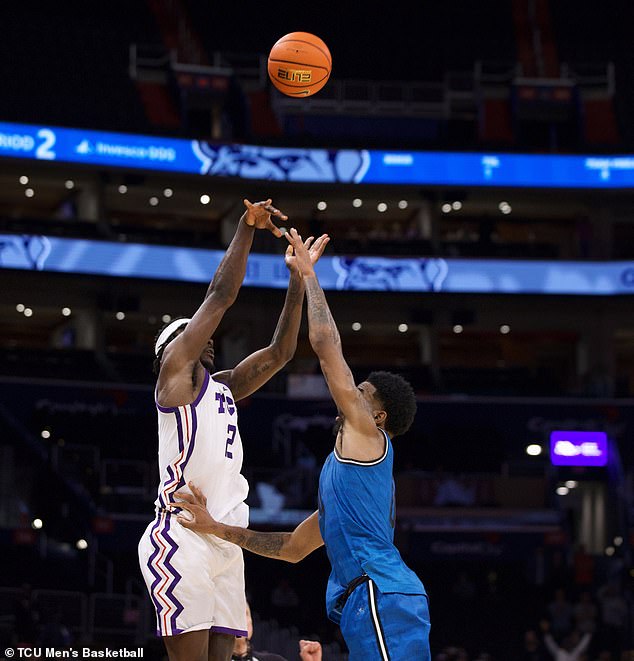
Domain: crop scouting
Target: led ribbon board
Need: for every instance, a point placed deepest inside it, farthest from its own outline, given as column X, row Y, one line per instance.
column 429, row 274
column 578, row 448
column 354, row 166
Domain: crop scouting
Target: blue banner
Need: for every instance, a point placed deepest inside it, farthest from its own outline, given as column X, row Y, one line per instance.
column 49, row 143
column 426, row 274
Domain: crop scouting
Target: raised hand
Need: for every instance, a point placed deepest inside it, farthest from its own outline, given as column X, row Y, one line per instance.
column 258, row 215
column 315, row 251
column 302, row 256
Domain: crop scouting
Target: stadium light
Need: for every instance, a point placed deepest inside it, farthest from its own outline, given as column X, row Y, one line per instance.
column 533, row 450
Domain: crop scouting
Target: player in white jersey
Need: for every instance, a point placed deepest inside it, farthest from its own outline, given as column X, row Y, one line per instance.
column 196, row 582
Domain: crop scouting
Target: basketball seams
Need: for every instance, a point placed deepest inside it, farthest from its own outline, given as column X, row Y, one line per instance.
column 308, row 43
column 301, row 64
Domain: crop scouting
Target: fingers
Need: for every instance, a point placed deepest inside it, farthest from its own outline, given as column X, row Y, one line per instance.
column 308, row 241
column 274, row 228
column 276, row 212
column 321, row 242
column 198, row 494
column 182, row 497
column 318, row 247
column 267, row 205
column 293, row 237
column 289, row 251
column 186, row 523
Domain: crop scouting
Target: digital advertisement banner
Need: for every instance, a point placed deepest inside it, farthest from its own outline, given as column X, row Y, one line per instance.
column 427, row 274
column 355, row 166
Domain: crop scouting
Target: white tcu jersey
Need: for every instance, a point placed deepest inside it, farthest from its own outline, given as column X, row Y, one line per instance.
column 201, row 443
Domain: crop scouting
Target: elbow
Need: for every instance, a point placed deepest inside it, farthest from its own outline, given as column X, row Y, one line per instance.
column 221, row 298
column 283, row 354
column 293, row 554
column 318, row 340
column 294, row 558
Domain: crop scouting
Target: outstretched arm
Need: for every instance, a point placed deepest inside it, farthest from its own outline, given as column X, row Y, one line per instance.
column 289, row 546
column 255, row 370
column 222, row 292
column 326, row 342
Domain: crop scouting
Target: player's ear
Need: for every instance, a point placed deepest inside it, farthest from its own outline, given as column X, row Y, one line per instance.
column 379, row 417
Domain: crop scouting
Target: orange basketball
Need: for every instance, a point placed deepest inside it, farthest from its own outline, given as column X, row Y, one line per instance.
column 299, row 64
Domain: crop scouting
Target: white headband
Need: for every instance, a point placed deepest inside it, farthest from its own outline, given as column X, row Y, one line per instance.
column 167, row 331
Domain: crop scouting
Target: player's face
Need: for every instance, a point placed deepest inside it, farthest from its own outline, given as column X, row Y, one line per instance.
column 207, row 356
column 368, row 392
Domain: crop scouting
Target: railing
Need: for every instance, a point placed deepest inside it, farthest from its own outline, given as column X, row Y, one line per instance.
column 117, row 616
column 151, row 62
column 589, row 77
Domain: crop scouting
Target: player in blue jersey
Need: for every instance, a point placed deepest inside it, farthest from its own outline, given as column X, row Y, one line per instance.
column 379, row 603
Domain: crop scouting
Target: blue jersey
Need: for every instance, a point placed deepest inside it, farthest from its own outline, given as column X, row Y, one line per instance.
column 356, row 520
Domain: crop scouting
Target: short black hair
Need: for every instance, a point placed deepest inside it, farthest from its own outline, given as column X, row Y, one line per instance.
column 156, row 365
column 398, row 399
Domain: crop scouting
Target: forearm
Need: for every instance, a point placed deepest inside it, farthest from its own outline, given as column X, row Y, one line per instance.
column 268, row 544
column 322, row 329
column 284, row 339
column 231, row 271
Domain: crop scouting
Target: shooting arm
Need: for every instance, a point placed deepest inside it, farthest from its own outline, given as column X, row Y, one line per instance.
column 221, row 294
column 223, row 290
column 255, row 370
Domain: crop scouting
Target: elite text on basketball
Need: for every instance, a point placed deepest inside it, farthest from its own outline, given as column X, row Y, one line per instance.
column 295, row 75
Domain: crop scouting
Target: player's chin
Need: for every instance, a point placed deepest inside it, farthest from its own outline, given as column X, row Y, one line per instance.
column 208, row 364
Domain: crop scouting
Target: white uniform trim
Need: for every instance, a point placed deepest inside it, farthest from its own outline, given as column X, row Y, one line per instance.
column 377, row 624
column 343, row 460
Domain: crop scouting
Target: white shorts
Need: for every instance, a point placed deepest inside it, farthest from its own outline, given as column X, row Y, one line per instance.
column 195, row 581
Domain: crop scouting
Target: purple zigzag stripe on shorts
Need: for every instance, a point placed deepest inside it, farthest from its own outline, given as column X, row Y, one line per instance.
column 190, row 449
column 157, row 576
column 176, row 577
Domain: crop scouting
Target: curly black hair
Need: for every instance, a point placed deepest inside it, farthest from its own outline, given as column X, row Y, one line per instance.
column 156, row 365
column 398, row 399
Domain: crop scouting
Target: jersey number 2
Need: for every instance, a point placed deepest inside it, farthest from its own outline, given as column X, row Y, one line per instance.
column 231, row 435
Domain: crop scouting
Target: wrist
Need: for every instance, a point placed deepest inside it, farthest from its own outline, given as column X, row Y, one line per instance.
column 244, row 219
column 296, row 278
